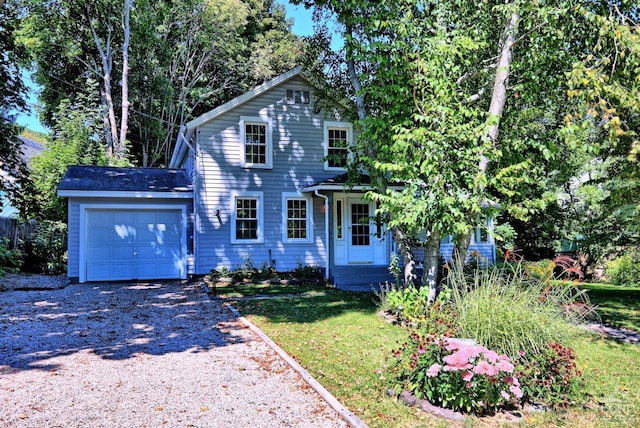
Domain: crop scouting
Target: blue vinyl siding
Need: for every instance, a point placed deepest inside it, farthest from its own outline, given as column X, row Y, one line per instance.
column 297, row 135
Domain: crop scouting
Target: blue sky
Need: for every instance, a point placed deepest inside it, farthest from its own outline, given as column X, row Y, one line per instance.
column 302, row 26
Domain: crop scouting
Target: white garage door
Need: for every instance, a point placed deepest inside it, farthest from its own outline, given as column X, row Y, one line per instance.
column 133, row 244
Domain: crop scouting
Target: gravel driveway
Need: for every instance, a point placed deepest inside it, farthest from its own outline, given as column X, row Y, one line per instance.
column 142, row 355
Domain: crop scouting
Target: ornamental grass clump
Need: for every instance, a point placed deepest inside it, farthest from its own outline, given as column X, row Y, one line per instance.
column 455, row 375
column 508, row 311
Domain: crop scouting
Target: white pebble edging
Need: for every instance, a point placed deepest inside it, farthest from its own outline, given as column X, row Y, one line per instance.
column 347, row 415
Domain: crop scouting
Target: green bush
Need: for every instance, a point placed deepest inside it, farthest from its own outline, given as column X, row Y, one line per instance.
column 45, row 249
column 541, row 270
column 550, row 377
column 625, row 270
column 10, row 260
column 508, row 311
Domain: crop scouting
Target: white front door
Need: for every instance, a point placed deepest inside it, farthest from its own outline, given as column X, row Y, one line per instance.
column 360, row 231
column 357, row 239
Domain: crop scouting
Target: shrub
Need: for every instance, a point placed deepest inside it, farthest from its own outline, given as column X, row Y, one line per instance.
column 45, row 249
column 451, row 374
column 10, row 260
column 507, row 311
column 541, row 270
column 550, row 376
column 409, row 304
column 625, row 270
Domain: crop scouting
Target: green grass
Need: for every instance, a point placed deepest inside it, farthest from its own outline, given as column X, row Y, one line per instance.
column 240, row 290
column 340, row 340
column 618, row 306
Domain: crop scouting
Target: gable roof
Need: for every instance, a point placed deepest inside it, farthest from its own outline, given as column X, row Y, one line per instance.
column 29, row 148
column 239, row 100
column 185, row 132
column 106, row 181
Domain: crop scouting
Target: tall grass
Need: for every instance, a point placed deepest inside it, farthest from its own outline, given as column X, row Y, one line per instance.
column 508, row 311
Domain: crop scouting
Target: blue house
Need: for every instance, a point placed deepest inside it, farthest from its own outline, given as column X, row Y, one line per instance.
column 265, row 182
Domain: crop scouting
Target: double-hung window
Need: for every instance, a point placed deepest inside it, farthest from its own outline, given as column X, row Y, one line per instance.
column 255, row 135
column 337, row 139
column 297, row 214
column 247, row 218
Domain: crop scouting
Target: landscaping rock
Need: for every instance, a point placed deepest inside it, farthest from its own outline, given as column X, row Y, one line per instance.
column 439, row 411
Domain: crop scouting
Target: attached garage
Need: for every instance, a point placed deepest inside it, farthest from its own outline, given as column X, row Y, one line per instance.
column 128, row 223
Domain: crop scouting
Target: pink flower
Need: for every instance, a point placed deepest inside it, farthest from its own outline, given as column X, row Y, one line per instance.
column 466, row 376
column 421, row 349
column 491, row 356
column 515, row 390
column 452, row 345
column 504, row 395
column 457, row 359
column 485, row 368
column 433, row 370
column 504, row 366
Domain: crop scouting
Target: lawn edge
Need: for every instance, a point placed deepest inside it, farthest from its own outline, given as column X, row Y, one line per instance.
column 331, row 400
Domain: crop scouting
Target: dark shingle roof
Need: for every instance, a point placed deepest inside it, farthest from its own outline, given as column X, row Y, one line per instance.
column 342, row 179
column 113, row 179
column 29, row 148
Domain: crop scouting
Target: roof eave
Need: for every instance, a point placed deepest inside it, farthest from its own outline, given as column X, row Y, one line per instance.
column 247, row 96
column 124, row 194
column 343, row 188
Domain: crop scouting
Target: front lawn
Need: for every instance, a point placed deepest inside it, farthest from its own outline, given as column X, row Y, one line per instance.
column 247, row 290
column 340, row 340
column 618, row 306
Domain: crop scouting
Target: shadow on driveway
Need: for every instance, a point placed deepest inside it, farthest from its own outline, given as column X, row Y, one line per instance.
column 113, row 320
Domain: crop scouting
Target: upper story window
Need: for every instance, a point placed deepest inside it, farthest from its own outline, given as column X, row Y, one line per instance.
column 298, row 96
column 247, row 218
column 337, row 139
column 255, row 134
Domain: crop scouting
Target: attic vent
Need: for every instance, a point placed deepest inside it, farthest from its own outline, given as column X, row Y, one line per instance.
column 298, row 96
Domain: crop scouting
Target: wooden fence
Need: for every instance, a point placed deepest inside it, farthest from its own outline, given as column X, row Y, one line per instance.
column 15, row 230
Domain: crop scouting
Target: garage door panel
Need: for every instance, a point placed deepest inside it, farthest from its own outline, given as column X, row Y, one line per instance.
column 122, row 217
column 109, row 272
column 133, row 244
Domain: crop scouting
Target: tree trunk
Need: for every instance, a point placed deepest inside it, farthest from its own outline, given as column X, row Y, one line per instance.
column 459, row 255
column 124, row 119
column 106, row 59
column 431, row 265
column 409, row 274
column 499, row 93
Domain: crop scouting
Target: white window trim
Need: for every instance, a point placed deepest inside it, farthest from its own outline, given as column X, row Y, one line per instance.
column 297, row 89
column 286, row 196
column 247, row 120
column 488, row 225
column 259, row 196
column 332, row 124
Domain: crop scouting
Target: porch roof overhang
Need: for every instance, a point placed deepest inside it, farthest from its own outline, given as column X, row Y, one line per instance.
column 339, row 184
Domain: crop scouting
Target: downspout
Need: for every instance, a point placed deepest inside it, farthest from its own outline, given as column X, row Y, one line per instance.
column 326, row 230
